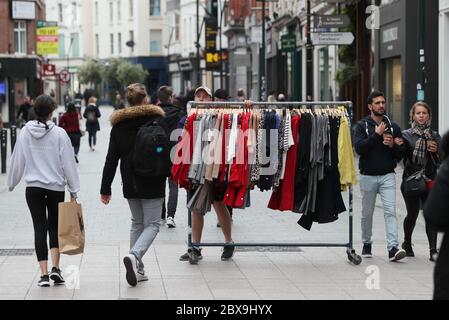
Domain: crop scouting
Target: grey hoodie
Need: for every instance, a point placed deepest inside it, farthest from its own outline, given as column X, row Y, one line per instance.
column 44, row 158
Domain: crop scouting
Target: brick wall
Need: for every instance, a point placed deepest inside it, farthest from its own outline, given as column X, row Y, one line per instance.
column 7, row 44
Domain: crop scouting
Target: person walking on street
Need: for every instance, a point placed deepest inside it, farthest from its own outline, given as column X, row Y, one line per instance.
column 145, row 195
column 119, row 103
column 173, row 115
column 421, row 155
column 44, row 158
column 436, row 214
column 24, row 110
column 204, row 94
column 378, row 142
column 91, row 114
column 70, row 122
column 241, row 95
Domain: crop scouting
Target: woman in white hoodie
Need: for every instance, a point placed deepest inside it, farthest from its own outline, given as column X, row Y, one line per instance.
column 44, row 158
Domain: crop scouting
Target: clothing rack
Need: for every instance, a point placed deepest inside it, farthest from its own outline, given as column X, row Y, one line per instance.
column 352, row 256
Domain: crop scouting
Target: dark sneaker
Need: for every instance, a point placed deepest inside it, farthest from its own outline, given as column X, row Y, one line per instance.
column 433, row 255
column 407, row 246
column 131, row 266
column 228, row 252
column 56, row 276
column 44, row 281
column 194, row 255
column 396, row 254
column 366, row 251
column 185, row 256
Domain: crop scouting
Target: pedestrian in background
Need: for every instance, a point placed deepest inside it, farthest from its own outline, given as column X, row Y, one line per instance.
column 91, row 114
column 378, row 142
column 436, row 214
column 145, row 195
column 421, row 155
column 241, row 95
column 24, row 110
column 119, row 103
column 44, row 158
column 70, row 122
column 173, row 115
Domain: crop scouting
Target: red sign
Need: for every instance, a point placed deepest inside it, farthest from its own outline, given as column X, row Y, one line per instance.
column 48, row 70
column 64, row 76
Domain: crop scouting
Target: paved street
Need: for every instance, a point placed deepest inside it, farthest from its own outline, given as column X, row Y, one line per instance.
column 264, row 273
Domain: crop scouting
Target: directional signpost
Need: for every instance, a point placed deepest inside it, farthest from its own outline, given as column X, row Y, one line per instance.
column 332, row 38
column 331, row 21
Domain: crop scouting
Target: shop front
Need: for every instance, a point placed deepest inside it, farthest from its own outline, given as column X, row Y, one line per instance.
column 444, row 66
column 19, row 77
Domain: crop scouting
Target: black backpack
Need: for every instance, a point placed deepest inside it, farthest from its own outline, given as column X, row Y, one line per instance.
column 151, row 155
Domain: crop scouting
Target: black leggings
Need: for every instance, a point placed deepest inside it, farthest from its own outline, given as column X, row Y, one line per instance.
column 92, row 138
column 413, row 205
column 39, row 201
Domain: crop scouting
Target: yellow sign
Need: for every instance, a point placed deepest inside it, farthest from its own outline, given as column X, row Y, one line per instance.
column 47, row 38
column 212, row 57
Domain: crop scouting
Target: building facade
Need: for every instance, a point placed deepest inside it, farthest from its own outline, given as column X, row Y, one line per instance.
column 69, row 16
column 443, row 66
column 20, row 67
column 129, row 29
column 399, row 54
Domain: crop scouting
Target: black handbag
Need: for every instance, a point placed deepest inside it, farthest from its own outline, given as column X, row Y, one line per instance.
column 415, row 185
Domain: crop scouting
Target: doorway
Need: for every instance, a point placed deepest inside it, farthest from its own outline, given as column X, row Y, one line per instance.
column 393, row 84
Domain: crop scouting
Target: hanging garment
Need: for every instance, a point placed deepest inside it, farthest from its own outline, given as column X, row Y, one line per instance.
column 283, row 198
column 346, row 164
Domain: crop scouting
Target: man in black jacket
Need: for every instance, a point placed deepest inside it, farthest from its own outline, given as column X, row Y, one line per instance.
column 173, row 115
column 436, row 213
column 379, row 143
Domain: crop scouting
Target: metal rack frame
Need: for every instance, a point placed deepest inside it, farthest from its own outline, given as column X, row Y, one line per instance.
column 352, row 256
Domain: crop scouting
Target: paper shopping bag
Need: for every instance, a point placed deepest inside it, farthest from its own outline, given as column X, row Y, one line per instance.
column 70, row 228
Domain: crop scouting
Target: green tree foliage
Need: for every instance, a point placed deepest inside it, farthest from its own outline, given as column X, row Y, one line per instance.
column 91, row 73
column 128, row 73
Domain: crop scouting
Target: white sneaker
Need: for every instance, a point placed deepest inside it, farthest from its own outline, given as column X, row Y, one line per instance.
column 171, row 222
column 130, row 262
column 141, row 276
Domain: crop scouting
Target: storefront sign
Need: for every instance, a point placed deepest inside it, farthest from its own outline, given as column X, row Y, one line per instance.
column 24, row 10
column 47, row 38
column 288, row 43
column 49, row 70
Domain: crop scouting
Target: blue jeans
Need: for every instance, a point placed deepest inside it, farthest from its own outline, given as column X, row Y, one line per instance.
column 384, row 185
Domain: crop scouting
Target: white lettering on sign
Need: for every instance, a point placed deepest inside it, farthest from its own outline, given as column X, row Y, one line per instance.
column 389, row 35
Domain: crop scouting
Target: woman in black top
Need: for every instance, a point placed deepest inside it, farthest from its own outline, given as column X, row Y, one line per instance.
column 92, row 113
column 422, row 146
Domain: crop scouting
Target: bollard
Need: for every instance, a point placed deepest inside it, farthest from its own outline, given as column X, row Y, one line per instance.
column 13, row 137
column 3, row 142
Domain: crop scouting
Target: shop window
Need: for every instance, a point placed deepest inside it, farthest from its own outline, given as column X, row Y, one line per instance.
column 394, row 90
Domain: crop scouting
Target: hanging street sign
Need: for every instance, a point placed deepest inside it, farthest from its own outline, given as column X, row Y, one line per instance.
column 329, row 21
column 64, row 76
column 332, row 38
column 288, row 43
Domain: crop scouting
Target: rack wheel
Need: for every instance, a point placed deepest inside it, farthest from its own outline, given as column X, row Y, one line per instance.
column 353, row 257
